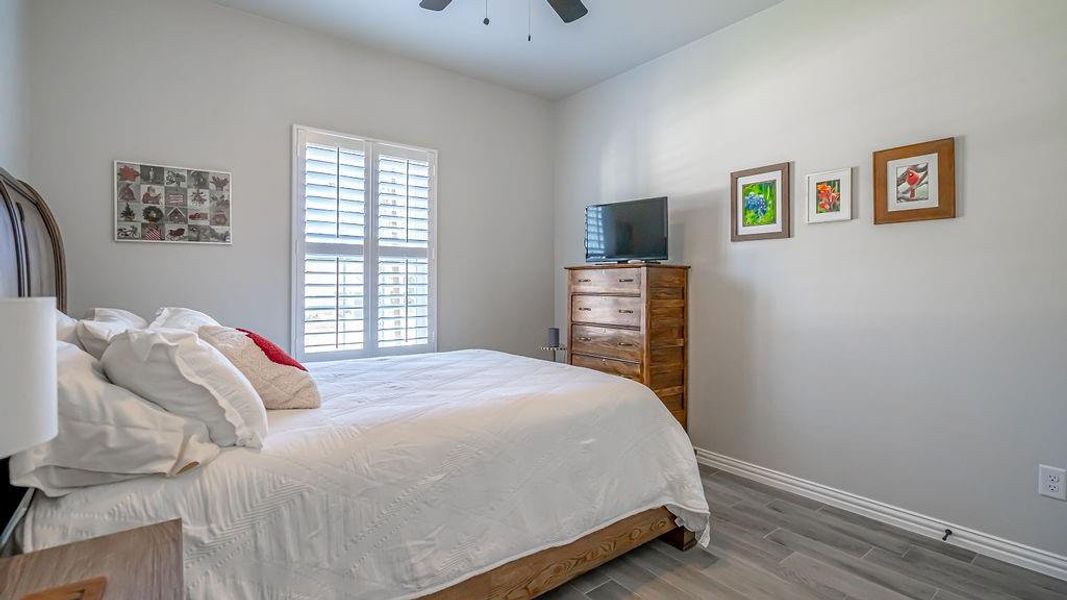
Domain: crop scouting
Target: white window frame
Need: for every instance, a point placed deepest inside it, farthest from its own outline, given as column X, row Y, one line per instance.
column 302, row 134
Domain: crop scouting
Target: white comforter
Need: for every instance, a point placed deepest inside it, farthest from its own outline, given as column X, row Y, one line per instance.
column 416, row 473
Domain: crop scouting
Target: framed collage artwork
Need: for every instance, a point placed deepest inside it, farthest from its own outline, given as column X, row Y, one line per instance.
column 167, row 204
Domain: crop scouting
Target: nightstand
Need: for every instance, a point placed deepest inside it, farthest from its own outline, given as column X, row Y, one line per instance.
column 138, row 564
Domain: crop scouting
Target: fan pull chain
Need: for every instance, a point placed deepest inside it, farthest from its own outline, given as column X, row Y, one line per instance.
column 529, row 20
column 486, row 21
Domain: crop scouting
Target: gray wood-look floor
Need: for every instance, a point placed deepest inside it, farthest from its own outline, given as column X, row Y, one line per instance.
column 771, row 545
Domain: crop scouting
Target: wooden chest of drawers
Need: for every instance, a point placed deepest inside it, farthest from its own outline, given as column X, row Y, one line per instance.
column 631, row 321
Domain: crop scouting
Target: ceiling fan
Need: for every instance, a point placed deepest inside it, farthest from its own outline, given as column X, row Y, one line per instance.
column 568, row 10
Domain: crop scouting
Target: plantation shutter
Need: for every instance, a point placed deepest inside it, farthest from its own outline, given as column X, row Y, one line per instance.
column 335, row 207
column 403, row 210
column 363, row 226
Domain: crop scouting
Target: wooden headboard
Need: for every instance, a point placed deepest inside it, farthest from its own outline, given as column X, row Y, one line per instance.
column 31, row 247
column 31, row 264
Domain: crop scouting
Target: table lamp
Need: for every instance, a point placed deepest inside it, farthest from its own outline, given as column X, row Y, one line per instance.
column 553, row 344
column 28, row 400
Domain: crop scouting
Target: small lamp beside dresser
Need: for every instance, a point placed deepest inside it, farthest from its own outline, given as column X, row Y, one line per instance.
column 553, row 344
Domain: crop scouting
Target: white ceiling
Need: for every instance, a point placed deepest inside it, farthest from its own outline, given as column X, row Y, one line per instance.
column 615, row 36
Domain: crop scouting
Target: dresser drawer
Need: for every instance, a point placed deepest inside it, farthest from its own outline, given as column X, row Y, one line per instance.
column 615, row 367
column 682, row 416
column 666, row 376
column 624, row 344
column 609, row 310
column 673, row 398
column 614, row 281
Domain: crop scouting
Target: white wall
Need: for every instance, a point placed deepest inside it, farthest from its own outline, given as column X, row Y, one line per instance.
column 921, row 364
column 14, row 88
column 193, row 83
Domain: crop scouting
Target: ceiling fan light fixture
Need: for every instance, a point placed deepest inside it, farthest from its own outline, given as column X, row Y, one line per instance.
column 568, row 10
column 435, row 5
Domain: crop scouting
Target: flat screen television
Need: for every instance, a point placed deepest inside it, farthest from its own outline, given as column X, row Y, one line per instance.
column 624, row 231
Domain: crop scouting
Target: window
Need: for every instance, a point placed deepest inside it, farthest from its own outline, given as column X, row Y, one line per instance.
column 363, row 237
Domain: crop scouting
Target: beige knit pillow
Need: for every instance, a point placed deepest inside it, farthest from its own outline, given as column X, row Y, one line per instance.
column 281, row 381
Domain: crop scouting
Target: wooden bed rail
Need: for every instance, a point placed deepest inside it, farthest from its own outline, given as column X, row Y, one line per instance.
column 538, row 573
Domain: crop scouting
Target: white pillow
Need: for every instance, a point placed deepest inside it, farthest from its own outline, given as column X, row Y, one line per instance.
column 95, row 331
column 65, row 328
column 281, row 385
column 170, row 317
column 94, row 336
column 106, row 434
column 186, row 376
column 117, row 315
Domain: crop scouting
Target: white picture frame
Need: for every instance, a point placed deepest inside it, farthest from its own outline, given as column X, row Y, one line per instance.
column 826, row 209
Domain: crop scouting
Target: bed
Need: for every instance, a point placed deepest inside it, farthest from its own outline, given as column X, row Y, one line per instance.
column 469, row 474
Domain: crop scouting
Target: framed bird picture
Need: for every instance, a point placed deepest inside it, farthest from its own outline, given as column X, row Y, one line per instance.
column 166, row 204
column 915, row 182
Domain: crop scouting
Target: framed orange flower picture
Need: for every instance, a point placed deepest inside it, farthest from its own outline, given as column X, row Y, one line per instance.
column 830, row 196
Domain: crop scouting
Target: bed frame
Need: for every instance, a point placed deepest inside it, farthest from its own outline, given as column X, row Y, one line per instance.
column 32, row 264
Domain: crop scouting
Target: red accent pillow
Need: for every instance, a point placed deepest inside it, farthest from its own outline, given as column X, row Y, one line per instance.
column 273, row 351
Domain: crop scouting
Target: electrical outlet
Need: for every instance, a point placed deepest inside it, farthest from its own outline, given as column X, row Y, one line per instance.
column 1052, row 482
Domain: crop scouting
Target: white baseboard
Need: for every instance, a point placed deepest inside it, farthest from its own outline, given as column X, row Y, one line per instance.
column 1035, row 559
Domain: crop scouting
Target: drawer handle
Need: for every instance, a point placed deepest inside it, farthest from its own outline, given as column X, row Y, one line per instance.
column 584, row 280
column 585, row 339
column 584, row 308
column 626, row 311
column 628, row 280
column 626, row 344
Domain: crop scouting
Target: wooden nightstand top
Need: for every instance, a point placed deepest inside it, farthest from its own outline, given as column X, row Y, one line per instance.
column 139, row 564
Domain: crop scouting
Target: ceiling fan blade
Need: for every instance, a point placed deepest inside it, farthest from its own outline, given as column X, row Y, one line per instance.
column 435, row 4
column 569, row 10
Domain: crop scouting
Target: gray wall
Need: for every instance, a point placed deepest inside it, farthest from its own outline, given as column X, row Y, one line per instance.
column 192, row 83
column 921, row 364
column 14, row 153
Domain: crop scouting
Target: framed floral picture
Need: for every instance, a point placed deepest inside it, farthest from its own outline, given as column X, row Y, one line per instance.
column 916, row 182
column 759, row 203
column 166, row 204
column 830, row 196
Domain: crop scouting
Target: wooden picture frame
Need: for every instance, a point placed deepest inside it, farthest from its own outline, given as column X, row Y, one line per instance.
column 923, row 185
column 772, row 180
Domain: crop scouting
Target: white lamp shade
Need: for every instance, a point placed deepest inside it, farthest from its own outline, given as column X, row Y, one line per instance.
column 28, row 405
